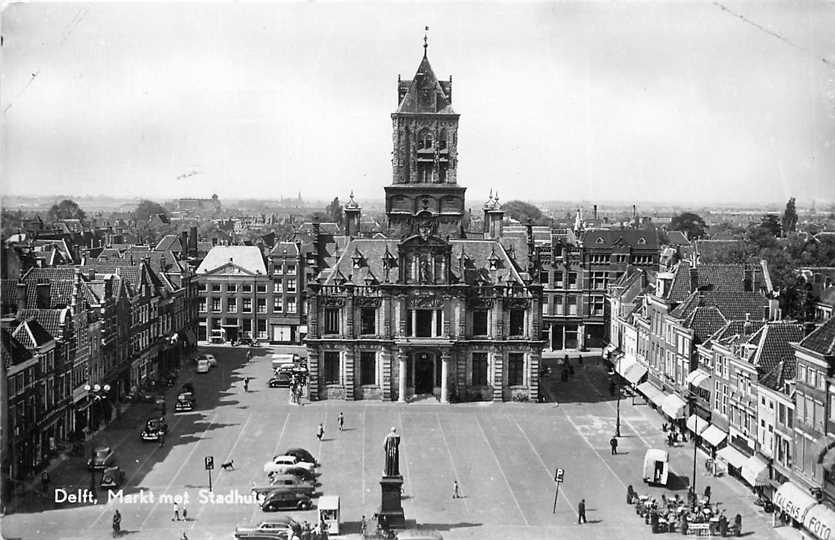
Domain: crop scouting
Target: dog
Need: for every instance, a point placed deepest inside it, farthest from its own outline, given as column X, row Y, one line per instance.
column 229, row 465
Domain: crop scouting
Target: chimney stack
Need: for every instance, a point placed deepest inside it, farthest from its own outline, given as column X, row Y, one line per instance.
column 595, row 212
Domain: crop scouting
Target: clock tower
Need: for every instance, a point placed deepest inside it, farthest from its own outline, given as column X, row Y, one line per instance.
column 424, row 190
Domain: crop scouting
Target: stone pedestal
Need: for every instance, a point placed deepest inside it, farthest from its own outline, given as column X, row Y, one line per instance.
column 391, row 507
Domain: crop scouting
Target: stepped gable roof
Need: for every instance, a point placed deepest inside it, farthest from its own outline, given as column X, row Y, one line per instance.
column 773, row 342
column 423, row 82
column 677, row 238
column 614, row 238
column 822, row 339
column 13, row 351
column 31, row 334
column 279, row 249
column 246, row 257
column 49, row 319
column 169, row 242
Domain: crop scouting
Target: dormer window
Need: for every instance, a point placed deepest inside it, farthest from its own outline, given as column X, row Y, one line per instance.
column 599, row 240
column 493, row 260
column 642, row 241
column 357, row 259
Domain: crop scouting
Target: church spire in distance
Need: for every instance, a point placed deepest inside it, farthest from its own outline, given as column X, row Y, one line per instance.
column 425, row 40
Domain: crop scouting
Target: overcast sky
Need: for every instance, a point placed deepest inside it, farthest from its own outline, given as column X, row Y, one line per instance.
column 681, row 102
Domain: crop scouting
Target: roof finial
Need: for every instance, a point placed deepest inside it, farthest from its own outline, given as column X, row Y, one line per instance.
column 425, row 40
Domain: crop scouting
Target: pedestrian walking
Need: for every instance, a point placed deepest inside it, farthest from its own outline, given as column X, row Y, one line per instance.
column 246, row 384
column 320, row 432
column 340, row 420
column 184, row 536
column 707, row 494
column 613, row 442
column 161, row 438
column 45, row 481
column 581, row 512
column 456, row 492
column 363, row 526
column 176, row 512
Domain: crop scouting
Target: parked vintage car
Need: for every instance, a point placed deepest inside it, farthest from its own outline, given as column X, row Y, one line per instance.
column 302, row 473
column 112, row 477
column 155, row 428
column 275, row 529
column 301, row 454
column 281, row 377
column 203, row 365
column 185, row 399
column 103, row 457
column 293, row 483
column 210, row 358
column 286, row 500
column 279, row 464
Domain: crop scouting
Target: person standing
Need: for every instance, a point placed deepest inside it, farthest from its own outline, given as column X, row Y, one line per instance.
column 320, row 432
column 176, row 512
column 117, row 523
column 707, row 494
column 340, row 420
column 456, row 491
column 581, row 512
column 613, row 442
column 246, row 384
column 363, row 526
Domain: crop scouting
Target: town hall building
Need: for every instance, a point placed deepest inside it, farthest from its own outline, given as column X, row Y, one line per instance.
column 424, row 311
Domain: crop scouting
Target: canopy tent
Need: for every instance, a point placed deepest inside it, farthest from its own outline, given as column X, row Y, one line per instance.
column 673, row 406
column 697, row 424
column 697, row 377
column 794, row 500
column 732, row 456
column 652, row 393
column 635, row 373
column 755, row 471
column 713, row 435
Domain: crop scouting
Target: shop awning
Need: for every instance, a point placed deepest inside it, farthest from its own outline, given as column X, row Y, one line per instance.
column 623, row 364
column 732, row 456
column 673, row 406
column 713, row 435
column 697, row 424
column 609, row 348
column 652, row 393
column 794, row 500
column 697, row 377
column 635, row 373
column 820, row 521
column 755, row 471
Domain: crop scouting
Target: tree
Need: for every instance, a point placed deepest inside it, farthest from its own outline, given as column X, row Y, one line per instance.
column 790, row 217
column 522, row 211
column 689, row 223
column 145, row 209
column 147, row 230
column 334, row 211
column 770, row 223
column 65, row 209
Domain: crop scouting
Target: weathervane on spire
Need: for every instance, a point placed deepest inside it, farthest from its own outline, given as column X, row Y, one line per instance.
column 425, row 40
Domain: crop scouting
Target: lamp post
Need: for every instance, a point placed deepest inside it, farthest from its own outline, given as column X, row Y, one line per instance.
column 692, row 399
column 95, row 393
column 617, row 389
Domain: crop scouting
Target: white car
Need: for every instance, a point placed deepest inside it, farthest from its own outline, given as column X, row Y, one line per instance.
column 279, row 464
column 210, row 358
column 202, row 366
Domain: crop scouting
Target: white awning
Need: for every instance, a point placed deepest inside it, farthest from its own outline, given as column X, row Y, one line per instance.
column 623, row 364
column 673, row 406
column 652, row 393
column 820, row 521
column 732, row 456
column 713, row 435
column 635, row 373
column 697, row 377
column 755, row 471
column 697, row 424
column 794, row 500
column 609, row 348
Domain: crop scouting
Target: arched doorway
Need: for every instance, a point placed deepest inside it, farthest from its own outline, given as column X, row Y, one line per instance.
column 424, row 373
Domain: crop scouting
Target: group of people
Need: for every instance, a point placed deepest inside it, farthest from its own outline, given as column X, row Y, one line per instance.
column 676, row 514
column 673, row 436
column 306, row 531
column 298, row 380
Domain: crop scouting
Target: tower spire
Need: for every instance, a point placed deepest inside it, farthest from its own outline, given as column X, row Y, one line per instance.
column 425, row 40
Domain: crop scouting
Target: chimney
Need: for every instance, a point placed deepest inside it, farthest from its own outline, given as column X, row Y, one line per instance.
column 595, row 212
column 184, row 244
column 634, row 212
column 192, row 242
column 746, row 328
column 21, row 295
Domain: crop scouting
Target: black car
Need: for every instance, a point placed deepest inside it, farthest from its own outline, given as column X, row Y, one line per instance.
column 155, row 428
column 302, row 473
column 281, row 377
column 301, row 454
column 283, row 499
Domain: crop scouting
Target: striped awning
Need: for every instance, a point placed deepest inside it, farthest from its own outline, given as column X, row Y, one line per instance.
column 652, row 393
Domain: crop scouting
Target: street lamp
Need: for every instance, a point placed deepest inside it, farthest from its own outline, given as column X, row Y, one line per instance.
column 617, row 389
